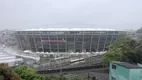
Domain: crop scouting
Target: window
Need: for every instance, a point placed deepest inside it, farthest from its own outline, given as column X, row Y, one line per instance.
column 114, row 67
column 112, row 78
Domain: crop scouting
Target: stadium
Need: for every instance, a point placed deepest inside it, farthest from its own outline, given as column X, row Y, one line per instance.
column 67, row 39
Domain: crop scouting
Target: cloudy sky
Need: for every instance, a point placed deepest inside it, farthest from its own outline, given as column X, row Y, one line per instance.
column 114, row 14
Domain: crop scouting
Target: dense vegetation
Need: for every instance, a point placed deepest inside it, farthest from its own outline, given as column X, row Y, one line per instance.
column 125, row 49
column 7, row 73
column 27, row 73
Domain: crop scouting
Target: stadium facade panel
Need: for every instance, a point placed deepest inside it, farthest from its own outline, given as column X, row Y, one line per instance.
column 67, row 40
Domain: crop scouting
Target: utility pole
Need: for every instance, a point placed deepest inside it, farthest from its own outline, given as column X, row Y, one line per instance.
column 60, row 69
column 88, row 76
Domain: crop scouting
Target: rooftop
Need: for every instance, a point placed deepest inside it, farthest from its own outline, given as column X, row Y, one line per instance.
column 127, row 65
column 69, row 29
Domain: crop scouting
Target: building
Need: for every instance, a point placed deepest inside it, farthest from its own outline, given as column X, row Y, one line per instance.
column 124, row 71
column 10, row 60
column 67, row 40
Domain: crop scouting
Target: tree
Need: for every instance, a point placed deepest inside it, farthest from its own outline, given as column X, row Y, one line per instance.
column 26, row 73
column 125, row 49
column 139, row 30
column 139, row 33
column 7, row 73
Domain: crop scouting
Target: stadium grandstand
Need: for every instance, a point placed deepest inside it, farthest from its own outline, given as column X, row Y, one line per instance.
column 67, row 39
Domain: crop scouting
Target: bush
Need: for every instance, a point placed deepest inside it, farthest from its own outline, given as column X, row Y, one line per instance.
column 8, row 74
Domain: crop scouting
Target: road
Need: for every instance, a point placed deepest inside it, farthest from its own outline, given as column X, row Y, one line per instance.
column 101, row 73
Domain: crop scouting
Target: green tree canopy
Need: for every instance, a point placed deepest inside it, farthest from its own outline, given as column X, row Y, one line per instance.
column 125, row 49
column 27, row 73
column 7, row 73
column 139, row 33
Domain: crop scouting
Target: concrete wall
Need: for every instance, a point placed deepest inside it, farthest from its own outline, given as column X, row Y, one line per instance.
column 121, row 73
column 135, row 74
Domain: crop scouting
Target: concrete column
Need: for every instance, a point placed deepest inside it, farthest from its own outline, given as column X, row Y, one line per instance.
column 98, row 41
column 91, row 41
column 34, row 41
column 57, row 43
column 112, row 37
column 118, row 35
column 105, row 41
column 29, row 43
column 66, row 43
column 20, row 43
column 49, row 43
column 41, row 41
column 74, row 43
column 83, row 43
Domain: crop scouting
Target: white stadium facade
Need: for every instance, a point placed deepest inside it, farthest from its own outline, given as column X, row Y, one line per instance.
column 67, row 39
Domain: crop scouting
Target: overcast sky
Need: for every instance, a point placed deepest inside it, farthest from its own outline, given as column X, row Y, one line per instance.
column 114, row 14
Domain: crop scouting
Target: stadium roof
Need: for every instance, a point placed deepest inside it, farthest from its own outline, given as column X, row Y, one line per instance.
column 69, row 29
